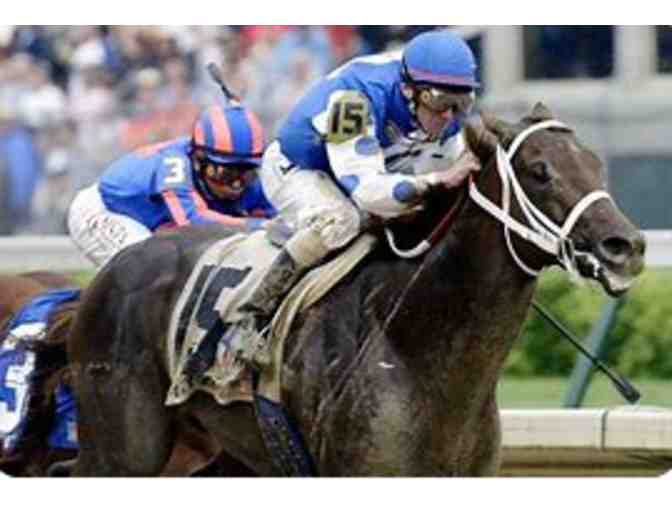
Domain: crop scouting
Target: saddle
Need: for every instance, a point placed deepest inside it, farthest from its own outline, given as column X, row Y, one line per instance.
column 221, row 281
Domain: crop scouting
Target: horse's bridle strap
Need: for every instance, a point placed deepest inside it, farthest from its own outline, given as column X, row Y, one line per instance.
column 542, row 232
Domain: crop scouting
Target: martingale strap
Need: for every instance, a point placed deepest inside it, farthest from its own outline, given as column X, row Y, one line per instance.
column 283, row 440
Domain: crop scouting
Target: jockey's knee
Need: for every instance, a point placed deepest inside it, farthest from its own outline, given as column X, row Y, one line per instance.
column 324, row 231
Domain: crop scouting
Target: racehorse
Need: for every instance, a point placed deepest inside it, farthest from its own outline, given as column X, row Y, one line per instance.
column 394, row 372
column 192, row 454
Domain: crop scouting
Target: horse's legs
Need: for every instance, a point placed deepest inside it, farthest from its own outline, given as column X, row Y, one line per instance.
column 124, row 427
column 225, row 466
column 235, row 428
column 487, row 455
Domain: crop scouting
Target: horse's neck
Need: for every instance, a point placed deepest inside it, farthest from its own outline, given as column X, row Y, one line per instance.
column 464, row 305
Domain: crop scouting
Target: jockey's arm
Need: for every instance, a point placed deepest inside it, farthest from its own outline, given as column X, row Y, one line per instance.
column 188, row 208
column 358, row 162
column 383, row 194
column 374, row 190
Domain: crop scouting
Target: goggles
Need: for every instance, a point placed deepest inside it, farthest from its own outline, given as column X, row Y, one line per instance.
column 441, row 101
column 228, row 174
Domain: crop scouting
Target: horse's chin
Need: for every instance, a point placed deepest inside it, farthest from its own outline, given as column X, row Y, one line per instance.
column 613, row 283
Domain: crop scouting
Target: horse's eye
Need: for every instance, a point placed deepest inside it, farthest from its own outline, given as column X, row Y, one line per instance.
column 541, row 172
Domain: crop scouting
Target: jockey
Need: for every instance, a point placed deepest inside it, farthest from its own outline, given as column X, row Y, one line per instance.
column 209, row 178
column 370, row 140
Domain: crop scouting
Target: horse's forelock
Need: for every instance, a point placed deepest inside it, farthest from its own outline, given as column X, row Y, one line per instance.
column 480, row 140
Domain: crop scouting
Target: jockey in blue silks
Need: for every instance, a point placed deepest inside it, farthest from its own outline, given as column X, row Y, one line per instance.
column 369, row 140
column 208, row 178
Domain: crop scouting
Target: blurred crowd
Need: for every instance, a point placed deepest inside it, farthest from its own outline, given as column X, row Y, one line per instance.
column 73, row 98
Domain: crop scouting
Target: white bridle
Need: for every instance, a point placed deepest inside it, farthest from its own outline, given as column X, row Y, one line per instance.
column 542, row 231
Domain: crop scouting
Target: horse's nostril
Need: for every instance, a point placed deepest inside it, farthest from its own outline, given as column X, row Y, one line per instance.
column 618, row 249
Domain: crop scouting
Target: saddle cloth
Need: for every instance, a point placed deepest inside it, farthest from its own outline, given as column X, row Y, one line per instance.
column 222, row 280
column 22, row 371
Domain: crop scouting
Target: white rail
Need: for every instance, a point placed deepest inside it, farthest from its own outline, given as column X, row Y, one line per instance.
column 596, row 442
column 40, row 253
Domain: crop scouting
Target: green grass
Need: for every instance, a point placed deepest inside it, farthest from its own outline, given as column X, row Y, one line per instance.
column 550, row 393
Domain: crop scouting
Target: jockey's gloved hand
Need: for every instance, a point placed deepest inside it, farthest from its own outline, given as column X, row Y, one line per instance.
column 455, row 176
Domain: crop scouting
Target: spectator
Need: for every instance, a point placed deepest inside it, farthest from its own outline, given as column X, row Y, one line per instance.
column 43, row 102
column 97, row 112
column 56, row 190
column 21, row 167
column 312, row 39
column 301, row 72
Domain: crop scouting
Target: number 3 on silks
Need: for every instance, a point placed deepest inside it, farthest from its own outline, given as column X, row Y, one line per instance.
column 348, row 117
column 176, row 175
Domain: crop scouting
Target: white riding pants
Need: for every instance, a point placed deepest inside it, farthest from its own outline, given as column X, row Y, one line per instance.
column 312, row 205
column 99, row 233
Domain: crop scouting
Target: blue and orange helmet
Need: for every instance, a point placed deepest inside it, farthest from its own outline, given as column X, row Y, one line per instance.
column 228, row 144
column 229, row 135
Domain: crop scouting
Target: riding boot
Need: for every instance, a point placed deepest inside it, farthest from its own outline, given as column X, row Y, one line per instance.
column 280, row 278
column 259, row 308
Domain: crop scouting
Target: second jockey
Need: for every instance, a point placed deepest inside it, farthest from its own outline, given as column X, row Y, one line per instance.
column 208, row 178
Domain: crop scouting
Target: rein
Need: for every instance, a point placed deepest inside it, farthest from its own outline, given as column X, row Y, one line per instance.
column 542, row 231
column 433, row 239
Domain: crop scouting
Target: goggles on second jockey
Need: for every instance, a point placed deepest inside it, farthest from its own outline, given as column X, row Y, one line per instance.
column 227, row 173
column 235, row 175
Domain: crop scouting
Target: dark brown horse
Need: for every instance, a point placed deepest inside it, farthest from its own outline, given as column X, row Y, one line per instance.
column 193, row 452
column 395, row 371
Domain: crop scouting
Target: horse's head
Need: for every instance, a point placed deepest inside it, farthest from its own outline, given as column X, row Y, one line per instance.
column 566, row 182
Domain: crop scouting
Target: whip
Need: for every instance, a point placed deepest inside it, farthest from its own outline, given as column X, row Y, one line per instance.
column 625, row 388
column 216, row 74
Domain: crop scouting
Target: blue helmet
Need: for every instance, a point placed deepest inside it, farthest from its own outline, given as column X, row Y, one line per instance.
column 439, row 59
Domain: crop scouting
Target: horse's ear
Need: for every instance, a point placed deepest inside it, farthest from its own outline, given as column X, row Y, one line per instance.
column 540, row 113
column 482, row 142
column 502, row 130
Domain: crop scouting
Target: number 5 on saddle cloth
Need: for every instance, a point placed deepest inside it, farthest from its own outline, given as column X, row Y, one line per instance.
column 25, row 362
